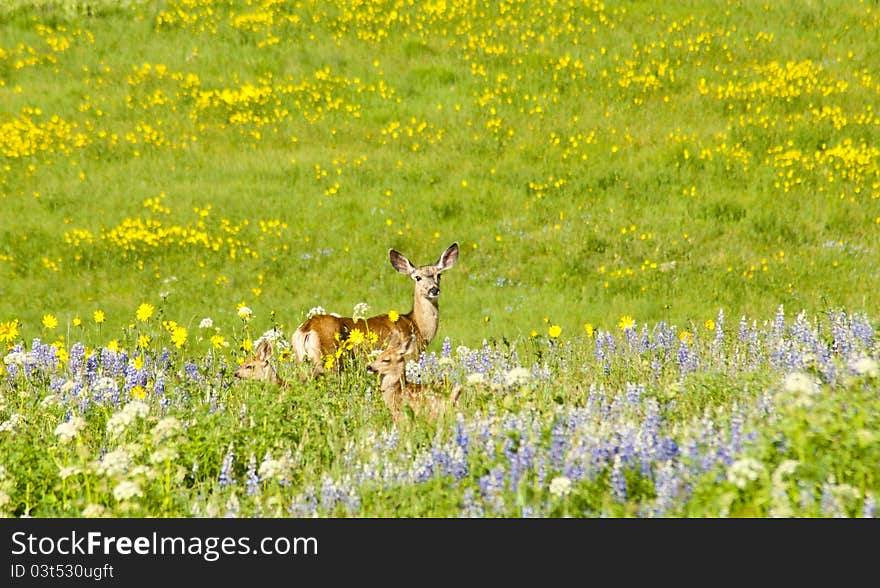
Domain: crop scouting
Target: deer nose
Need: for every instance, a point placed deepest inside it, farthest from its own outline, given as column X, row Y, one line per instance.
column 434, row 291
column 371, row 369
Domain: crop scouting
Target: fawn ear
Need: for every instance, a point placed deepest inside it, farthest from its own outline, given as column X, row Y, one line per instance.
column 400, row 262
column 410, row 346
column 448, row 258
column 394, row 341
column 264, row 350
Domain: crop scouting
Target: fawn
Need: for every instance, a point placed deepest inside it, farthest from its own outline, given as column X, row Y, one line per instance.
column 322, row 334
column 397, row 392
column 259, row 366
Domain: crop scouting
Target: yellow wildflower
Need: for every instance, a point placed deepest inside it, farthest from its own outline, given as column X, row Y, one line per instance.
column 144, row 312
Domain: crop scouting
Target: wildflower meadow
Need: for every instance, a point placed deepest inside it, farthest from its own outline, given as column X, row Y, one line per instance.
column 665, row 303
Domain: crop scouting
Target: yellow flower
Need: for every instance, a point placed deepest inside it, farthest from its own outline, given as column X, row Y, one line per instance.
column 329, row 360
column 49, row 321
column 588, row 327
column 218, row 341
column 113, row 345
column 710, row 324
column 247, row 345
column 685, row 337
column 99, row 316
column 144, row 341
column 144, row 312
column 356, row 337
column 393, row 316
column 626, row 323
column 9, row 331
column 139, row 362
column 138, row 392
column 178, row 336
column 77, row 322
column 554, row 331
column 533, row 334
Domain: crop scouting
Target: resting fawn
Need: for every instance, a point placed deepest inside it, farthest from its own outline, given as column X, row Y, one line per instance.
column 397, row 392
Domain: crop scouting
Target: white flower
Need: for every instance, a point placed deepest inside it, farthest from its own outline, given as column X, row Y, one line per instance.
column 475, row 378
column 272, row 468
column 69, row 429
column 517, row 376
column 127, row 489
column 745, row 471
column 163, row 454
column 67, row 386
column 206, row 323
column 315, row 310
column 114, row 463
column 68, row 471
column 800, row 383
column 11, row 423
column 50, row 400
column 119, row 421
column 93, row 511
column 803, row 389
column 560, row 486
column 15, row 358
column 245, row 312
column 865, row 366
column 165, row 428
column 360, row 310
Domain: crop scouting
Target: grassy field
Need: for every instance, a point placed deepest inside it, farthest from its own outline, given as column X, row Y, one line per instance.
column 669, row 219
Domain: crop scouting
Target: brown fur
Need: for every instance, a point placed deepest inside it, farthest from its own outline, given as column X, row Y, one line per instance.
column 322, row 334
column 423, row 400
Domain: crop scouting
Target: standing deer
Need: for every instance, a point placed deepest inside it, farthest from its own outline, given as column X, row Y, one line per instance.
column 322, row 334
column 397, row 392
column 259, row 366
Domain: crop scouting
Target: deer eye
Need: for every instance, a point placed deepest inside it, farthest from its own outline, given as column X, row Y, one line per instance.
column 418, row 278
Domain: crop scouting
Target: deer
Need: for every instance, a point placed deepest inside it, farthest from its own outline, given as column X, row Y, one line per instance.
column 322, row 334
column 423, row 400
column 259, row 366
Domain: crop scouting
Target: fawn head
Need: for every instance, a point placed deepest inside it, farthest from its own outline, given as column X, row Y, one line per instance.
column 427, row 277
column 392, row 362
column 258, row 366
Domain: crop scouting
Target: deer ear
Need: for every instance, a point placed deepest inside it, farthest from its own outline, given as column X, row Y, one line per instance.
column 448, row 258
column 394, row 340
column 264, row 350
column 400, row 262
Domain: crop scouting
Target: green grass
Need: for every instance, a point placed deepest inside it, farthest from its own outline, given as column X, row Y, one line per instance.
column 645, row 159
column 535, row 170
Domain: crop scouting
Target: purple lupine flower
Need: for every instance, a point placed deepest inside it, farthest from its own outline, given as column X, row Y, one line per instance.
column 618, row 481
column 226, row 476
column 253, row 479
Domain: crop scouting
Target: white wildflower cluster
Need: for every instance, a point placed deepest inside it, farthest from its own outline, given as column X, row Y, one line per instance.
column 245, row 313
column 165, row 429
column 315, row 310
column 743, row 472
column 69, row 429
column 206, row 323
column 126, row 490
column 866, row 366
column 360, row 311
column 517, row 376
column 560, row 486
column 10, row 424
column 274, row 337
column 780, row 504
column 275, row 469
column 121, row 420
column 803, row 389
column 114, row 463
column 17, row 358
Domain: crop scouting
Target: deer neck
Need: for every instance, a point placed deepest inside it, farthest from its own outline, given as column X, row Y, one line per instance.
column 426, row 316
